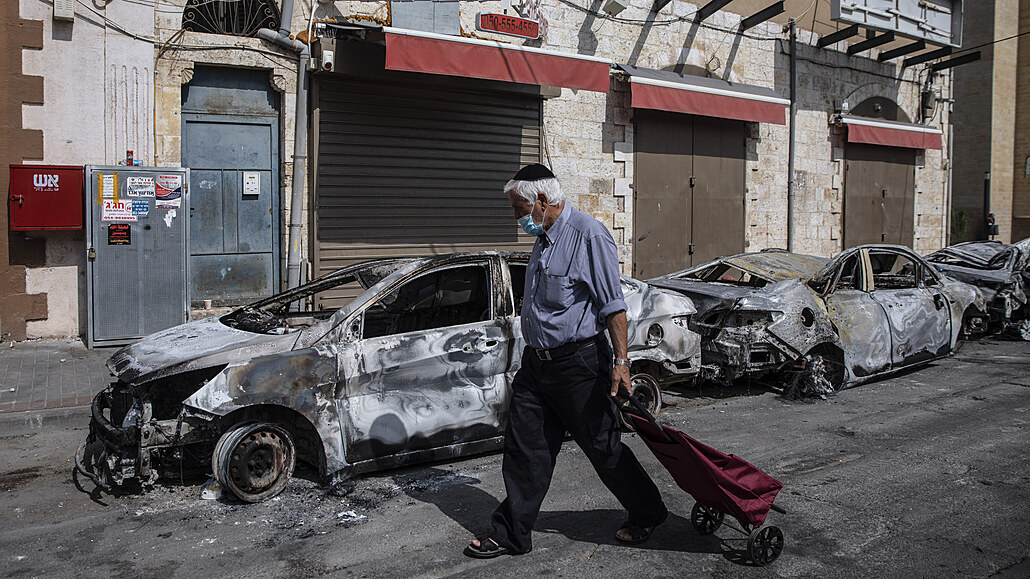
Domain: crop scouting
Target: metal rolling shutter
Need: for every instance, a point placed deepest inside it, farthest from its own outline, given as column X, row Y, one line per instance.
column 406, row 169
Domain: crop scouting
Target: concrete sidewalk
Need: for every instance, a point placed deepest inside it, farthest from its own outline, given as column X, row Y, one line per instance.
column 43, row 381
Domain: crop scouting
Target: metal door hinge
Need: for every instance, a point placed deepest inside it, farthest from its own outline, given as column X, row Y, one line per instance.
column 693, row 181
column 690, row 249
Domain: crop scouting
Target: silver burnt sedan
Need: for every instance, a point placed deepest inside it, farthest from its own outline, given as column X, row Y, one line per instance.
column 376, row 365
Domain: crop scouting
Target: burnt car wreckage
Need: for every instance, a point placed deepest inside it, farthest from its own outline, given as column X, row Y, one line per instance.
column 1001, row 271
column 822, row 325
column 374, row 366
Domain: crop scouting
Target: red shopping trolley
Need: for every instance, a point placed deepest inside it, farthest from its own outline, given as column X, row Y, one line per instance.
column 721, row 484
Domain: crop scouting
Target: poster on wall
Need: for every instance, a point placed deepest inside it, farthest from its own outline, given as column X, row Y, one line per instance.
column 140, row 186
column 168, row 191
column 119, row 234
column 140, row 207
column 117, row 210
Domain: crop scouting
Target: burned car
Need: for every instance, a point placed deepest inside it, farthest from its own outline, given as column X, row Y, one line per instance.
column 871, row 310
column 376, row 365
column 1001, row 271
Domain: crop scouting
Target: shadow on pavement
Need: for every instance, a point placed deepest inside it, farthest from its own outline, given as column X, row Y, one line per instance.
column 598, row 526
column 456, row 496
column 462, row 501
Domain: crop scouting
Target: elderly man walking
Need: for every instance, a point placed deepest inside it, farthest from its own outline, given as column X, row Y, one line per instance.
column 569, row 374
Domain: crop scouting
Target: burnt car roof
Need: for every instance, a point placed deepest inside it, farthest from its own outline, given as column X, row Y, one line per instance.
column 774, row 265
column 982, row 254
column 385, row 268
column 975, row 253
column 831, row 267
column 777, row 266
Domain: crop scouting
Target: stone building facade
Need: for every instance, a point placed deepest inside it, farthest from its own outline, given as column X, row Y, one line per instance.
column 1021, row 175
column 132, row 63
column 989, row 130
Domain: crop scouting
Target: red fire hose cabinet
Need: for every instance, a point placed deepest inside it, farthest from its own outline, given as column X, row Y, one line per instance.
column 45, row 197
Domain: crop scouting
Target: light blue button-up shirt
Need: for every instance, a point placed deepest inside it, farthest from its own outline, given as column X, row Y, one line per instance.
column 572, row 282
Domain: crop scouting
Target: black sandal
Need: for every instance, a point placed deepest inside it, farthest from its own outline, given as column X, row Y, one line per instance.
column 638, row 534
column 485, row 550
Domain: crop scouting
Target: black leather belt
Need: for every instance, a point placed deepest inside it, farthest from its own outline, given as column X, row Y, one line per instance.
column 564, row 349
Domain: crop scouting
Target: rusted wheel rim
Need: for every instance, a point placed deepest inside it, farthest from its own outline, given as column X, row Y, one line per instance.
column 645, row 389
column 254, row 461
column 257, row 461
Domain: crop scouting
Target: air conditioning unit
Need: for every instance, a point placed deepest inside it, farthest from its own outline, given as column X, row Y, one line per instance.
column 64, row 9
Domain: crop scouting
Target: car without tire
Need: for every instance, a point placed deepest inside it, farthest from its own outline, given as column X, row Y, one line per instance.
column 1001, row 271
column 820, row 325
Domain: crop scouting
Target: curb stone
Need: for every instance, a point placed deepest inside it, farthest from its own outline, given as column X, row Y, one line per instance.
column 33, row 421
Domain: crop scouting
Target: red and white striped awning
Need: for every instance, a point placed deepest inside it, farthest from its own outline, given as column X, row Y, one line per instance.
column 710, row 97
column 417, row 51
column 890, row 133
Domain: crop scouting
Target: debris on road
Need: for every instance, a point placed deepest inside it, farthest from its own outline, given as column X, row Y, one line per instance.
column 212, row 490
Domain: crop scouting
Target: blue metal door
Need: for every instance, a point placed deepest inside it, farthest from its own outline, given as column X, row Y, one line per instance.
column 234, row 218
column 230, row 138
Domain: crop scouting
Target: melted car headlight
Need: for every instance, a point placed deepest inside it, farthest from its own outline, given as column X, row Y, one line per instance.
column 655, row 333
column 744, row 318
column 681, row 321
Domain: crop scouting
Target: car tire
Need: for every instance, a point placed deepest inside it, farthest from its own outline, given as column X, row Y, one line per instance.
column 254, row 460
column 973, row 327
column 1021, row 330
column 822, row 373
column 646, row 390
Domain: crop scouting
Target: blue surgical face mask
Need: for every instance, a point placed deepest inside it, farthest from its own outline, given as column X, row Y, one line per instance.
column 526, row 221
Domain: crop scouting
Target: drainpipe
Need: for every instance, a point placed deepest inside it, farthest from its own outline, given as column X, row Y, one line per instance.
column 987, row 205
column 300, row 136
column 790, row 146
column 951, row 164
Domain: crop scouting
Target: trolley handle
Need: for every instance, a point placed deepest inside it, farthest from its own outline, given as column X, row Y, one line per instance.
column 639, row 407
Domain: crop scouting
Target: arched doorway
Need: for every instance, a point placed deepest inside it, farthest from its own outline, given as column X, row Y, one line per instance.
column 879, row 184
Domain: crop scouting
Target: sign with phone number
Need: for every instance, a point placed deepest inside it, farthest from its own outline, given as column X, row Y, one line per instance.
column 510, row 25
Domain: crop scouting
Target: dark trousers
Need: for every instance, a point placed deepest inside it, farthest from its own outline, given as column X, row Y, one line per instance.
column 551, row 397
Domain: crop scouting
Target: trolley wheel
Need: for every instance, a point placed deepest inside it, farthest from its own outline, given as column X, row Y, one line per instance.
column 764, row 544
column 705, row 519
column 645, row 389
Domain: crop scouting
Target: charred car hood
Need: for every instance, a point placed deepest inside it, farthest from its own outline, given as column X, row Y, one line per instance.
column 707, row 296
column 193, row 346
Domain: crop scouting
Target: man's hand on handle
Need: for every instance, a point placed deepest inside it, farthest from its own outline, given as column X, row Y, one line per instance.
column 621, row 381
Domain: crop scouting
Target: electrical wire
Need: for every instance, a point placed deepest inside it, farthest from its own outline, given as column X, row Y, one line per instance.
column 685, row 18
column 993, row 42
column 167, row 46
column 807, row 10
column 846, row 67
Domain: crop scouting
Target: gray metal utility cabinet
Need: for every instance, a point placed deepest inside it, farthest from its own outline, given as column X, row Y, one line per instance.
column 137, row 267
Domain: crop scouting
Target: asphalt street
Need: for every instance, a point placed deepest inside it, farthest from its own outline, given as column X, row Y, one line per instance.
column 923, row 474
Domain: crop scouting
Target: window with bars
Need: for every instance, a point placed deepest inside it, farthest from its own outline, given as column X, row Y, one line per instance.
column 231, row 17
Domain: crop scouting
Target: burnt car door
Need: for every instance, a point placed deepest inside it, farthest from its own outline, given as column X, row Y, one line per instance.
column 860, row 320
column 431, row 363
column 517, row 267
column 919, row 315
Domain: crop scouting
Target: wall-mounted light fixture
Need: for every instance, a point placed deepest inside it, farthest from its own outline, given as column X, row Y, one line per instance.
column 614, row 7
